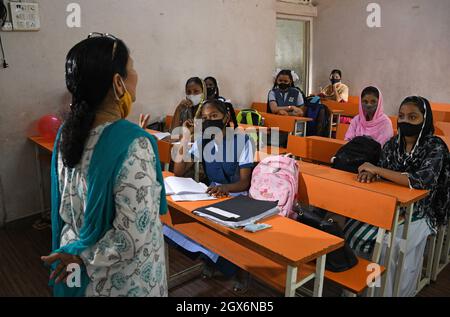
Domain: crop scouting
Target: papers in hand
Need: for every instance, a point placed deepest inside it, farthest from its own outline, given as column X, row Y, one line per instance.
column 182, row 186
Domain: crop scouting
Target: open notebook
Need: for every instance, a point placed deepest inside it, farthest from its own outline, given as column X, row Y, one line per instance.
column 239, row 211
column 186, row 189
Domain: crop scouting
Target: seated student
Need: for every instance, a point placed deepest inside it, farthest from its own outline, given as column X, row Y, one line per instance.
column 337, row 91
column 188, row 107
column 212, row 89
column 416, row 159
column 284, row 98
column 371, row 120
column 228, row 173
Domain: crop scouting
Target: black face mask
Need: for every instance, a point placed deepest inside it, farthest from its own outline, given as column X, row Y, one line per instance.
column 335, row 81
column 213, row 123
column 284, row 86
column 409, row 130
column 211, row 91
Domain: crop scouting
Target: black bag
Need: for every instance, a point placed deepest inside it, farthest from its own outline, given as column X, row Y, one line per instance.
column 339, row 260
column 358, row 151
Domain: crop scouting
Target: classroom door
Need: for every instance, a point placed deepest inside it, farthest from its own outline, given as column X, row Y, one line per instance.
column 293, row 48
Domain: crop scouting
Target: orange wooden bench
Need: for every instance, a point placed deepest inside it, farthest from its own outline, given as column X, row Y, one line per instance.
column 316, row 149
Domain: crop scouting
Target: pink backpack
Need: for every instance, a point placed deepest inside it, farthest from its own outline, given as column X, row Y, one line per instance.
column 276, row 178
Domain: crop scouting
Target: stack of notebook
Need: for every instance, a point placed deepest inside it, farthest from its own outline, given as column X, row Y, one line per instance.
column 239, row 211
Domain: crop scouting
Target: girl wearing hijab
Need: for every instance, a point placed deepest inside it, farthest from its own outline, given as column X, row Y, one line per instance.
column 371, row 120
column 107, row 186
column 187, row 109
column 417, row 159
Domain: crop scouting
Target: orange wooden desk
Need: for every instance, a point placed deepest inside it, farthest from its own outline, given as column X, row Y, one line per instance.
column 290, row 124
column 314, row 148
column 441, row 111
column 288, row 243
column 405, row 198
column 349, row 109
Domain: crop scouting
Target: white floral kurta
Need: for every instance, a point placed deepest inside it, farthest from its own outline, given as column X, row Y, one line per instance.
column 129, row 260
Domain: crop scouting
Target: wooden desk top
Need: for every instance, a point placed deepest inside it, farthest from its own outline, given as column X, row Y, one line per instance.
column 442, row 107
column 287, row 241
column 45, row 143
column 404, row 195
column 329, row 140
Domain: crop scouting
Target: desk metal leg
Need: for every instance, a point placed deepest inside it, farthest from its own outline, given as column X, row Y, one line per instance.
column 438, row 253
column 291, row 281
column 320, row 272
column 403, row 250
column 40, row 180
column 389, row 250
column 331, row 125
column 300, row 132
column 376, row 257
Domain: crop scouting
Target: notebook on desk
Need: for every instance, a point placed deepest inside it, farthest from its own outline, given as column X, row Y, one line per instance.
column 239, row 211
column 182, row 186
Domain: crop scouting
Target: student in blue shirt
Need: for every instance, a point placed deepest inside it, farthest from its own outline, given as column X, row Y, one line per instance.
column 227, row 155
column 285, row 99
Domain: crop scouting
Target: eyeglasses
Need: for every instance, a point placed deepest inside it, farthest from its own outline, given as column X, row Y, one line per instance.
column 98, row 34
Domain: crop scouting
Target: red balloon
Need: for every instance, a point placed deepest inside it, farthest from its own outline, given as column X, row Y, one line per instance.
column 48, row 126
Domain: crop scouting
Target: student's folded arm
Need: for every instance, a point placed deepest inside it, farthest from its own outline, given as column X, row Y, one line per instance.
column 393, row 176
column 136, row 227
column 274, row 107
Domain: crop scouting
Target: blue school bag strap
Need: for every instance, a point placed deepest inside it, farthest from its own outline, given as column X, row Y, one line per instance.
column 107, row 159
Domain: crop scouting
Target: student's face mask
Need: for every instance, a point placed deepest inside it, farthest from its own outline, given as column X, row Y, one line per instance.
column 125, row 102
column 283, row 86
column 369, row 109
column 195, row 99
column 409, row 130
column 211, row 91
column 213, row 124
column 335, row 81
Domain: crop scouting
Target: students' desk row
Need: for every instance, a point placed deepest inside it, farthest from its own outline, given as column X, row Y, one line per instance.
column 281, row 256
column 377, row 204
column 290, row 124
column 349, row 109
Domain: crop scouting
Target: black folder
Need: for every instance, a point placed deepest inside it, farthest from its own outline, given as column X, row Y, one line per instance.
column 247, row 209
